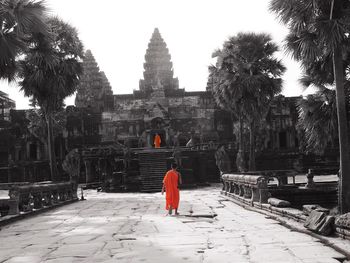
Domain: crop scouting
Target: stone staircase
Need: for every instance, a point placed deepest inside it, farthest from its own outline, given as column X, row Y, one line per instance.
column 153, row 166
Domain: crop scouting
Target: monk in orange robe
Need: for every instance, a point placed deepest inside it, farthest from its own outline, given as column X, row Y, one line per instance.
column 157, row 141
column 171, row 182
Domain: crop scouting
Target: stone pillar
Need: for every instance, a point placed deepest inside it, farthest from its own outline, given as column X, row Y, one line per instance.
column 289, row 136
column 17, row 153
column 167, row 137
column 88, row 175
column 28, row 150
column 293, row 136
column 38, row 151
column 148, row 143
column 24, row 171
column 273, row 142
column 34, row 171
column 9, row 173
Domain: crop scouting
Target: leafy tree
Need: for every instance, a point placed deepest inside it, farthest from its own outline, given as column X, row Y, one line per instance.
column 319, row 38
column 50, row 72
column 19, row 20
column 247, row 77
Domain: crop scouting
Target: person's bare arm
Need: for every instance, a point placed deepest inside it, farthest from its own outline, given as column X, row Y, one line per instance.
column 180, row 178
column 163, row 189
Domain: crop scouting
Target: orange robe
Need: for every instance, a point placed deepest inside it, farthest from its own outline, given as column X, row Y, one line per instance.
column 157, row 141
column 172, row 197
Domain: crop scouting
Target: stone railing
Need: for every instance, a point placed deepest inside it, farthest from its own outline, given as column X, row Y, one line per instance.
column 27, row 198
column 319, row 171
column 342, row 226
column 252, row 188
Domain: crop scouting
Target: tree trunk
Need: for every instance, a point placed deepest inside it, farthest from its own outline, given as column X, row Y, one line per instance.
column 241, row 140
column 252, row 147
column 344, row 179
column 240, row 160
column 51, row 148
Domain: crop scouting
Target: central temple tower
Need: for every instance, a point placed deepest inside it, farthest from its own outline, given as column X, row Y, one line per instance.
column 158, row 68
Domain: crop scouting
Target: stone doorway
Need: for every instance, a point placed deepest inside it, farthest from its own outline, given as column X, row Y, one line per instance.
column 162, row 135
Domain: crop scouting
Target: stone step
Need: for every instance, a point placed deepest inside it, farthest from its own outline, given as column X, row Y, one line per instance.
column 153, row 166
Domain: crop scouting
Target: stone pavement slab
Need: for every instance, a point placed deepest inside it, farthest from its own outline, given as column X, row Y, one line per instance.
column 132, row 227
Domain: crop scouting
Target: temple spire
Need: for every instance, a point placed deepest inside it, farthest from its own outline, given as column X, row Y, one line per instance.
column 158, row 68
column 94, row 85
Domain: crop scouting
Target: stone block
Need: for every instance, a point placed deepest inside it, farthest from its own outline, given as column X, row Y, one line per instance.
column 327, row 227
column 307, row 209
column 278, row 202
column 13, row 207
column 320, row 222
column 264, row 196
column 315, row 220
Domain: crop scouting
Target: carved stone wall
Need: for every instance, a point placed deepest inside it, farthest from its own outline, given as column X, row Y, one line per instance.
column 185, row 113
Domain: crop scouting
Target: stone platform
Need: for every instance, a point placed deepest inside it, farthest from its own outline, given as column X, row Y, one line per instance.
column 132, row 227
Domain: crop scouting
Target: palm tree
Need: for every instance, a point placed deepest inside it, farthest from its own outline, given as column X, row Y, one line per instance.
column 248, row 77
column 50, row 72
column 38, row 126
column 223, row 94
column 318, row 119
column 318, row 30
column 19, row 19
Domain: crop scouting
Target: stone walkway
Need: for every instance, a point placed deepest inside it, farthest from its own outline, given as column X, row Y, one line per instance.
column 132, row 227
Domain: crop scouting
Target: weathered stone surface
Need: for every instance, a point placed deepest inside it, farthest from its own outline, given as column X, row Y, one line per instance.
column 158, row 66
column 320, row 222
column 343, row 221
column 94, row 85
column 307, row 209
column 327, row 227
column 322, row 209
column 315, row 220
column 132, row 227
column 278, row 202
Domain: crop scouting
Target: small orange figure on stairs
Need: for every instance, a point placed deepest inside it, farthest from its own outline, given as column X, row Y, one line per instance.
column 157, row 141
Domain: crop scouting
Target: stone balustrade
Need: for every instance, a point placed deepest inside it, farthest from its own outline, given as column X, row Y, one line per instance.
column 252, row 188
column 26, row 198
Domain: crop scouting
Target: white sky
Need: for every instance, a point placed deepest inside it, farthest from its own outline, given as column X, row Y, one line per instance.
column 118, row 32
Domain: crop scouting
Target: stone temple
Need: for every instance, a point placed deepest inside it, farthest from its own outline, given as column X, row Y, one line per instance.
column 158, row 106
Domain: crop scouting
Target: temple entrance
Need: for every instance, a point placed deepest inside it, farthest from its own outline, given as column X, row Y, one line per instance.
column 157, row 125
column 162, row 135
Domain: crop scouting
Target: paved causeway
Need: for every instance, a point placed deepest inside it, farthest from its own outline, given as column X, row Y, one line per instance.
column 133, row 228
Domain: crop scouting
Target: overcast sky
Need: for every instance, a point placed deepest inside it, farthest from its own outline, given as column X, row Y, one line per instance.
column 117, row 32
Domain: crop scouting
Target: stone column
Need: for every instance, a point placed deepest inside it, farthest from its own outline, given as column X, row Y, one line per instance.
column 38, row 151
column 292, row 139
column 88, row 174
column 278, row 140
column 148, row 144
column 9, row 173
column 24, row 171
column 17, row 153
column 167, row 137
column 288, row 141
column 28, row 150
